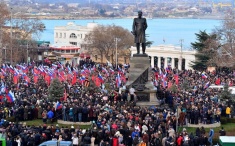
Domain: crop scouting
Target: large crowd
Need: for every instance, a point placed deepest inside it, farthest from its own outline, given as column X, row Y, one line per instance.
column 115, row 117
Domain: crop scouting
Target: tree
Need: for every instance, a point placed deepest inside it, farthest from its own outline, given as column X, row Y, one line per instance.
column 4, row 13
column 185, row 86
column 23, row 30
column 226, row 37
column 206, row 48
column 225, row 94
column 103, row 40
column 56, row 90
column 148, row 43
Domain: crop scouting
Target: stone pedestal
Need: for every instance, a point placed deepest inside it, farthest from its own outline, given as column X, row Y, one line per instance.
column 140, row 80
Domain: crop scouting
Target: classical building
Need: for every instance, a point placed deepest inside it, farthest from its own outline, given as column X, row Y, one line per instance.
column 72, row 33
column 68, row 42
column 165, row 55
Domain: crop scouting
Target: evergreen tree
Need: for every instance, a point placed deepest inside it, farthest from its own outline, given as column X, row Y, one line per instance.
column 225, row 94
column 185, row 85
column 56, row 90
column 203, row 54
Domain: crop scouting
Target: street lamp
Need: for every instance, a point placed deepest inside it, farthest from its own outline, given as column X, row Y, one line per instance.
column 116, row 41
column 11, row 36
column 27, row 52
column 181, row 57
column 5, row 53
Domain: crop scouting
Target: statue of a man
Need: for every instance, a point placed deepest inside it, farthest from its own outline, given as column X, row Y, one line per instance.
column 138, row 30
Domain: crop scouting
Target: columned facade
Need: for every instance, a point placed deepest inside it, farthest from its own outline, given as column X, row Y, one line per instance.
column 167, row 55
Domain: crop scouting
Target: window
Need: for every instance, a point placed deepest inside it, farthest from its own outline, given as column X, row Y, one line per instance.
column 72, row 51
column 64, row 35
column 73, row 43
column 81, row 36
column 56, row 35
column 67, row 51
column 72, row 35
column 62, row 51
column 60, row 35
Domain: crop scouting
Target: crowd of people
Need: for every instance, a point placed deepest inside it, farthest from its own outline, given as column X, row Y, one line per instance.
column 116, row 119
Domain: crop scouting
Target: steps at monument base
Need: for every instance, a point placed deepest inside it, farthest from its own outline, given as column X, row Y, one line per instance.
column 147, row 104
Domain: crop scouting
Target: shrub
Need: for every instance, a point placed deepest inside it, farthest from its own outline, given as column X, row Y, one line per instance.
column 223, row 120
column 10, row 119
column 230, row 120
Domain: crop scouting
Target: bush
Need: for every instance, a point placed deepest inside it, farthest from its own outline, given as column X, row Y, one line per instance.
column 10, row 119
column 224, row 120
column 230, row 120
column 215, row 141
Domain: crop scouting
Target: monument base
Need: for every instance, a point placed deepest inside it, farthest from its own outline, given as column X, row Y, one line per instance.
column 140, row 80
column 140, row 55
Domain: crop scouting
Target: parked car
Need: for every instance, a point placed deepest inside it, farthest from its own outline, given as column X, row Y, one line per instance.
column 56, row 143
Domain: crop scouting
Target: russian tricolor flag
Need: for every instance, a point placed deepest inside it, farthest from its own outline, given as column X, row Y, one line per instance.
column 118, row 81
column 58, row 106
column 204, row 76
column 10, row 97
column 207, row 85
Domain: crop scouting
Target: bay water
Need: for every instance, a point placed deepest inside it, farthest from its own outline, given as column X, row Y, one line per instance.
column 160, row 31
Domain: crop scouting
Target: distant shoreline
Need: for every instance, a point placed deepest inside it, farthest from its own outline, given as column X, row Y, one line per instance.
column 94, row 18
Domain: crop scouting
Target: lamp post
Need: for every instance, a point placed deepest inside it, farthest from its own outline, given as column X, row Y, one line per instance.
column 11, row 36
column 181, row 57
column 27, row 52
column 116, row 39
column 1, row 42
column 5, row 53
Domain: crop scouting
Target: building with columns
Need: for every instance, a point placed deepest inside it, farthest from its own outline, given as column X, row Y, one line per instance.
column 72, row 33
column 165, row 55
column 68, row 42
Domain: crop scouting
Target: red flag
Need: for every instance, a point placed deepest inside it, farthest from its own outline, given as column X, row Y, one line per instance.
column 74, row 79
column 93, row 78
column 27, row 79
column 15, row 79
column 35, row 78
column 47, row 79
column 97, row 82
column 156, row 75
column 169, row 85
column 65, row 95
column 176, row 79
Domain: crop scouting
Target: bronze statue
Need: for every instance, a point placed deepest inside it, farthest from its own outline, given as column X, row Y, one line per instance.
column 138, row 30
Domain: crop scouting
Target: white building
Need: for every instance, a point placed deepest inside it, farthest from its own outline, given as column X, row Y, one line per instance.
column 68, row 40
column 164, row 55
column 72, row 33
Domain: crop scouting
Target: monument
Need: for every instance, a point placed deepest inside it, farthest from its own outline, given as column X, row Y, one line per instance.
column 139, row 71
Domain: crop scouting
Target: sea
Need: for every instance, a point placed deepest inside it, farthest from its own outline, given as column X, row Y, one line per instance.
column 175, row 32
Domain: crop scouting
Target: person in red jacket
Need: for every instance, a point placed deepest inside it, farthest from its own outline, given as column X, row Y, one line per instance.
column 180, row 140
column 115, row 141
column 145, row 138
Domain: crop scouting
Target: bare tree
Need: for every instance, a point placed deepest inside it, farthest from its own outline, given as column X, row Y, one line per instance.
column 226, row 37
column 4, row 14
column 24, row 32
column 102, row 40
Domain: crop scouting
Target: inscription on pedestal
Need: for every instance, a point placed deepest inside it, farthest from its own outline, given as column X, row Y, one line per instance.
column 143, row 97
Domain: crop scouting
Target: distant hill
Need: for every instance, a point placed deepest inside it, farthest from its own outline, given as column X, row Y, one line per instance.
column 61, row 1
